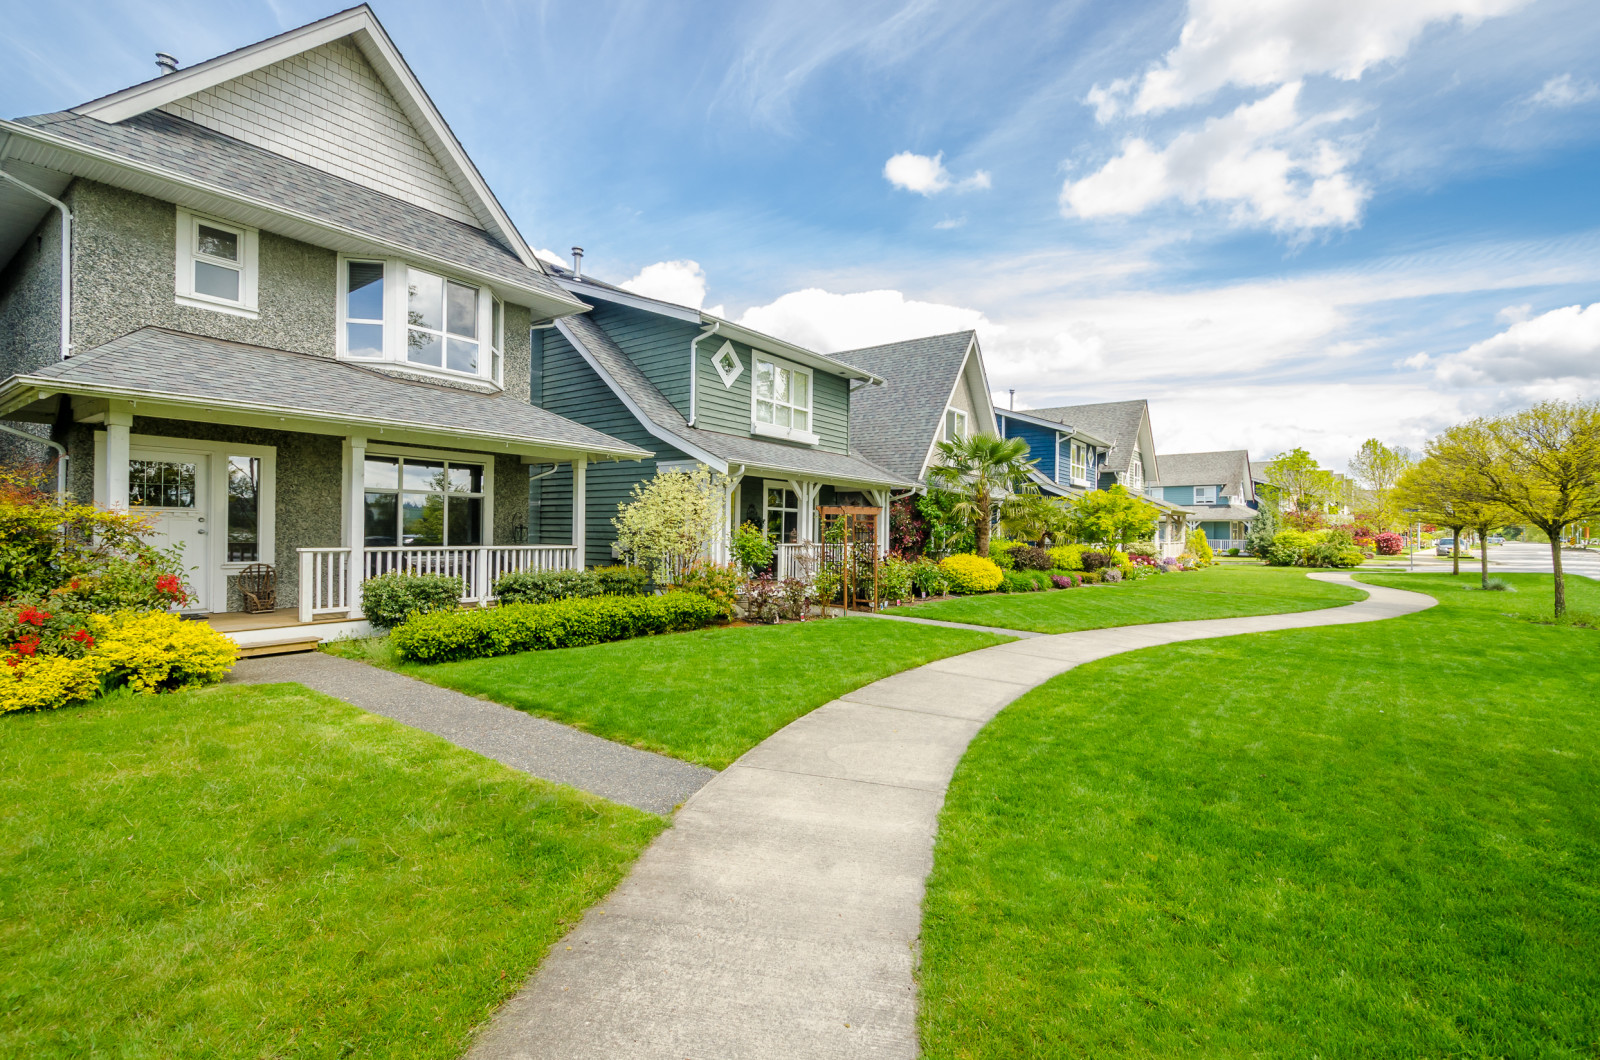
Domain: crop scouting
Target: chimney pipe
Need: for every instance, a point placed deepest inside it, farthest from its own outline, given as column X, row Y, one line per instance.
column 1013, row 393
column 577, row 262
column 166, row 63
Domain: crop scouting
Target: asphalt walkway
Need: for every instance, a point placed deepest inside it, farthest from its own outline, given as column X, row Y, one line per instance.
column 534, row 745
column 779, row 917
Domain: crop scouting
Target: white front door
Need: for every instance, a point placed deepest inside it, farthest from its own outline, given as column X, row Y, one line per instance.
column 170, row 489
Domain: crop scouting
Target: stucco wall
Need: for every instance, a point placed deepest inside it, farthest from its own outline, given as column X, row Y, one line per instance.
column 30, row 323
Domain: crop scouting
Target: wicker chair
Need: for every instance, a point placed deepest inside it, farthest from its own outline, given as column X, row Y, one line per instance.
column 258, row 586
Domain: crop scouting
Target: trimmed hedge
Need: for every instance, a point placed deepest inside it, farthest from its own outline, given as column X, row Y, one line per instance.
column 547, row 586
column 475, row 633
column 972, row 574
column 388, row 599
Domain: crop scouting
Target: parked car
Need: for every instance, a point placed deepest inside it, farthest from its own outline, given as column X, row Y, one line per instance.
column 1445, row 547
column 1497, row 540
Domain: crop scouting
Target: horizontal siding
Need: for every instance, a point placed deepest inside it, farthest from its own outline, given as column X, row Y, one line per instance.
column 1041, row 443
column 727, row 409
column 658, row 345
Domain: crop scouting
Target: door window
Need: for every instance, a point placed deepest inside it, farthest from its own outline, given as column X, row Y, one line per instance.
column 783, row 514
column 161, row 484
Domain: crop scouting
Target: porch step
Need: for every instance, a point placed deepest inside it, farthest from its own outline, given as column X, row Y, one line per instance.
column 283, row 646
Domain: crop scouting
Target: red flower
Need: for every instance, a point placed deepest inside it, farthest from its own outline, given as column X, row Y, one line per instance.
column 74, row 584
column 33, row 616
column 84, row 637
column 169, row 585
column 26, row 646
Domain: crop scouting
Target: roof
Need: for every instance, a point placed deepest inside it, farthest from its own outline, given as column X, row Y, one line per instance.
column 1116, row 421
column 1219, row 513
column 1065, row 428
column 1225, row 468
column 718, row 450
column 172, row 367
column 895, row 424
column 163, row 144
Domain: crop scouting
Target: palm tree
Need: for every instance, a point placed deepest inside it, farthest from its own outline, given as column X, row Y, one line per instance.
column 978, row 467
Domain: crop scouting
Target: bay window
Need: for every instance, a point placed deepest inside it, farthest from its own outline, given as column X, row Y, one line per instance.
column 781, row 400
column 391, row 311
column 420, row 501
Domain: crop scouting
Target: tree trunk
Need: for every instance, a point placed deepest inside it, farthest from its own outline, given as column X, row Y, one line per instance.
column 983, row 524
column 1483, row 552
column 1554, row 534
column 1455, row 549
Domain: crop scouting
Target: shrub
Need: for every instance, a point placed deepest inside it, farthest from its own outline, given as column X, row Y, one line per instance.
column 761, row 597
column 895, row 578
column 1389, row 544
column 480, row 632
column 1233, row 552
column 1288, row 547
column 622, row 580
column 1093, row 577
column 543, row 586
column 716, row 582
column 47, row 682
column 972, row 574
column 1143, row 550
column 1111, row 575
column 1499, row 585
column 671, row 518
column 1027, row 557
column 796, row 599
column 389, row 599
column 752, row 548
column 157, row 651
column 1000, row 553
column 928, row 578
column 1067, row 557
column 1099, row 560
column 1066, row 581
column 1201, row 548
column 1018, row 581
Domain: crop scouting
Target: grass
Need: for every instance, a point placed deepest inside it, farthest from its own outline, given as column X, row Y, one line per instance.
column 706, row 696
column 1216, row 592
column 1363, row 841
column 269, row 872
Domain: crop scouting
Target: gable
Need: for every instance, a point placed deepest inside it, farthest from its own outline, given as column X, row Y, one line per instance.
column 329, row 109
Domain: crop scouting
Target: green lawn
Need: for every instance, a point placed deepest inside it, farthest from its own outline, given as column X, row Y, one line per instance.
column 1216, row 592
column 1363, row 841
column 707, row 696
column 268, row 872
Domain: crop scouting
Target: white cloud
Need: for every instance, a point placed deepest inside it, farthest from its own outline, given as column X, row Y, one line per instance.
column 827, row 322
column 679, row 282
column 552, row 257
column 1565, row 91
column 1262, row 43
column 1515, row 314
column 1263, row 160
column 1561, row 344
column 950, row 222
column 928, row 176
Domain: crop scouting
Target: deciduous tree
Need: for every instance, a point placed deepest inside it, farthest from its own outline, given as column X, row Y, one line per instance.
column 1299, row 480
column 1113, row 517
column 1441, row 493
column 1378, row 468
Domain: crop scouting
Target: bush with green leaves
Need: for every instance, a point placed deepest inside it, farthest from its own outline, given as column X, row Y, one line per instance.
column 1067, row 557
column 475, row 633
column 1000, row 552
column 622, row 580
column 390, row 599
column 928, row 578
column 544, row 586
column 1200, row 546
column 895, row 578
column 1024, row 581
column 972, row 574
column 1029, row 557
column 717, row 582
column 1289, row 546
column 753, row 548
column 1499, row 585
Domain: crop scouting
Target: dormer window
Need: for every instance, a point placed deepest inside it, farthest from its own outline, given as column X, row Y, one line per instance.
column 781, row 401
column 955, row 425
column 216, row 265
column 390, row 311
column 1205, row 494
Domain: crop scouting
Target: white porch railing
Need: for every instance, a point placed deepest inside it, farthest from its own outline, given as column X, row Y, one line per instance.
column 797, row 561
column 327, row 587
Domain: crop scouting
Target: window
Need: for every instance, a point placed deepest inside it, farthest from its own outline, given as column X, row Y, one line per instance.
column 727, row 364
column 955, row 425
column 1136, row 472
column 418, row 501
column 782, row 517
column 244, row 509
column 161, row 484
column 1205, row 494
column 782, row 400
column 216, row 265
column 1080, row 462
column 390, row 311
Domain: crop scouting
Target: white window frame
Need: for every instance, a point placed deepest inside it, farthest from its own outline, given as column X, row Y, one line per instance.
column 459, row 456
column 728, row 375
column 1209, row 493
column 491, row 321
column 1135, row 480
column 248, row 265
column 1079, row 467
column 773, row 430
column 961, row 418
column 768, row 485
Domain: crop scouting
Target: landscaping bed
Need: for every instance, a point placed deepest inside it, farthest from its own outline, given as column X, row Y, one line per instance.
column 1366, row 840
column 265, row 871
column 1216, row 592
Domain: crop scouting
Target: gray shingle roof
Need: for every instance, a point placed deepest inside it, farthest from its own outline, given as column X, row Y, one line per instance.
column 755, row 453
column 1226, row 468
column 1116, row 421
column 895, row 424
column 231, row 166
column 174, row 365
column 1221, row 513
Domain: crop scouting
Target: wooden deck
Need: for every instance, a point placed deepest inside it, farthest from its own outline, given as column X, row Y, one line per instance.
column 239, row 621
column 280, row 632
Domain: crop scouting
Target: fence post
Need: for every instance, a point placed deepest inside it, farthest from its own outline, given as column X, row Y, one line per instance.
column 308, row 582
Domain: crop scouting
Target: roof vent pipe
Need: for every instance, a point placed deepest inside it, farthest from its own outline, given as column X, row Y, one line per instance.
column 577, row 263
column 1013, row 399
column 167, row 63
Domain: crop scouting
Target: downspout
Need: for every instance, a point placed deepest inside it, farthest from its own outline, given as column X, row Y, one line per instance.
column 61, row 464
column 66, row 258
column 694, row 345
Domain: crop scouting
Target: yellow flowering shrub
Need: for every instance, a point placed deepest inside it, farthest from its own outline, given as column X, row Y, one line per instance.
column 47, row 682
column 972, row 574
column 156, row 651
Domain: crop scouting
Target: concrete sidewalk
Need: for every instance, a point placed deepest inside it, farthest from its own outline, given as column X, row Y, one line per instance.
column 533, row 745
column 780, row 915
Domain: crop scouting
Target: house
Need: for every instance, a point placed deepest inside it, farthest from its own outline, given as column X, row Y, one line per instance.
column 1070, row 458
column 775, row 419
column 1218, row 488
column 269, row 301
column 934, row 390
column 1128, row 459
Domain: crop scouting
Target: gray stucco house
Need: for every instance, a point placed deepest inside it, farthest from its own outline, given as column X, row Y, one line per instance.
column 268, row 300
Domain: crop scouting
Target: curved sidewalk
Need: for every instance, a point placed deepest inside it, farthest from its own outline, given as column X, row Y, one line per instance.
column 779, row 916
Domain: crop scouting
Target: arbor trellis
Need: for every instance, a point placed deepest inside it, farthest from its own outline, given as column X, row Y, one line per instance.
column 850, row 554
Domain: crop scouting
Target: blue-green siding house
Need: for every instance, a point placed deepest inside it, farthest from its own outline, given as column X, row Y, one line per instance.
column 1070, row 459
column 1218, row 489
column 697, row 390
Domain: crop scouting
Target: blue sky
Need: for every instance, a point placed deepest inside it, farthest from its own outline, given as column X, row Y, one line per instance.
column 1285, row 222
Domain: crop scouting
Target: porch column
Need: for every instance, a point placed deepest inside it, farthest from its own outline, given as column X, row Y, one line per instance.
column 580, row 504
column 356, row 521
column 881, row 499
column 119, row 422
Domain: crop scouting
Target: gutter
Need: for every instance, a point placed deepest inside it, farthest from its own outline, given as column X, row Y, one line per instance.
column 694, row 390
column 66, row 259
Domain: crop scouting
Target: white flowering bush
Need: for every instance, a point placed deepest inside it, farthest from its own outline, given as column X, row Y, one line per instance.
column 671, row 520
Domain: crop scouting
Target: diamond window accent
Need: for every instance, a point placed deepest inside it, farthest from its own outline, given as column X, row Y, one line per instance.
column 727, row 364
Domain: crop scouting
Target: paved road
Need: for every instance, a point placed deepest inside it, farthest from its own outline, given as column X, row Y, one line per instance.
column 1515, row 558
column 533, row 745
column 779, row 917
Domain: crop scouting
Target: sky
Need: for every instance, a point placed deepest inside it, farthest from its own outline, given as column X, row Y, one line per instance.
column 1283, row 222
